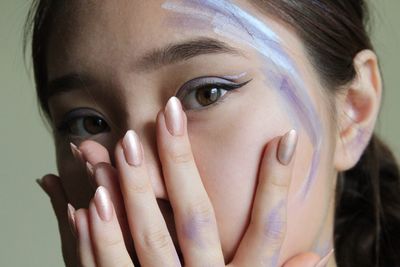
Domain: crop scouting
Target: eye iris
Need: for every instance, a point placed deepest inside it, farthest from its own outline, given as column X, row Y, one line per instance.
column 207, row 96
column 94, row 125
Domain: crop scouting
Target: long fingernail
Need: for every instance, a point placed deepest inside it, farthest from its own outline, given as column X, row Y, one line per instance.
column 89, row 168
column 287, row 147
column 103, row 204
column 71, row 219
column 43, row 182
column 77, row 153
column 174, row 116
column 132, row 149
column 324, row 261
column 91, row 174
column 39, row 182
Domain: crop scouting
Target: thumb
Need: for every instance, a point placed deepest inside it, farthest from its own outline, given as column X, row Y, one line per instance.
column 52, row 186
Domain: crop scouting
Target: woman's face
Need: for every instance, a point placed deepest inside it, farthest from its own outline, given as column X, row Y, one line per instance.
column 112, row 65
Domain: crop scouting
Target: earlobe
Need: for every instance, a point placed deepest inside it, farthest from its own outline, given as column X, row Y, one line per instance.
column 358, row 109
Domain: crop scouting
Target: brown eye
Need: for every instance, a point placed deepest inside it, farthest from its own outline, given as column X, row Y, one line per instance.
column 84, row 126
column 205, row 92
column 94, row 125
column 208, row 95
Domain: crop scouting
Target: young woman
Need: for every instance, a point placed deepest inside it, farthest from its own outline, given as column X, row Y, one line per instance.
column 213, row 133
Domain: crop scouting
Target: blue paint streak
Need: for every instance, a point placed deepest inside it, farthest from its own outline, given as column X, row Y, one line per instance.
column 229, row 20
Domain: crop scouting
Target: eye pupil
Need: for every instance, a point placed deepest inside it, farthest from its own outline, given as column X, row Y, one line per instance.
column 94, row 125
column 207, row 96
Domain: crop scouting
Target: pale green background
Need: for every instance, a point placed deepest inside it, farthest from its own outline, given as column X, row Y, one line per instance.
column 28, row 232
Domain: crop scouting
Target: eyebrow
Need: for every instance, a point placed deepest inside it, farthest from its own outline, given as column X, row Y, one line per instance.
column 184, row 51
column 66, row 83
column 152, row 60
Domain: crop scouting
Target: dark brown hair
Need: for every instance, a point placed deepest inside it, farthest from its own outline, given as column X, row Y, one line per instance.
column 367, row 200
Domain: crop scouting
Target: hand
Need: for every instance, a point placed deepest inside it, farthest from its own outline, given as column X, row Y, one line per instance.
column 100, row 238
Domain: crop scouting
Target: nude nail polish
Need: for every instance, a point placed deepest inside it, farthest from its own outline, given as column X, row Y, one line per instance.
column 76, row 153
column 103, row 204
column 132, row 149
column 71, row 219
column 89, row 168
column 91, row 174
column 287, row 147
column 174, row 116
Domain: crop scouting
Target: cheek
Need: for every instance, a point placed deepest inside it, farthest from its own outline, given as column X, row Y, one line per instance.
column 228, row 151
column 309, row 216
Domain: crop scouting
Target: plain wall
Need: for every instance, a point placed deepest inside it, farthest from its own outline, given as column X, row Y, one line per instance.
column 28, row 230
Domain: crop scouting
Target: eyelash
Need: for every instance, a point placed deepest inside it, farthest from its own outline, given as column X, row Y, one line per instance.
column 79, row 115
column 229, row 86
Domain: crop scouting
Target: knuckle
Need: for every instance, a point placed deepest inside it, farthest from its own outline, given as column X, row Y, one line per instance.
column 139, row 187
column 180, row 157
column 281, row 184
column 273, row 234
column 201, row 211
column 274, row 231
column 157, row 239
column 109, row 241
column 200, row 218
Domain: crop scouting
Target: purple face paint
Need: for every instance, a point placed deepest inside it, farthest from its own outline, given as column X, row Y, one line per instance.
column 231, row 21
column 193, row 227
column 275, row 226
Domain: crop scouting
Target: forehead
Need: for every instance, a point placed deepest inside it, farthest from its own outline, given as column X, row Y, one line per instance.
column 118, row 30
column 93, row 27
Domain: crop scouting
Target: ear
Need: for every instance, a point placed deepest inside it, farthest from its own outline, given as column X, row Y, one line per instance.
column 358, row 108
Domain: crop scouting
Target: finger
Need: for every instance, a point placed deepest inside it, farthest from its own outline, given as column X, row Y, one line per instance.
column 105, row 175
column 94, row 152
column 102, row 173
column 90, row 153
column 303, row 260
column 266, row 232
column 51, row 184
column 99, row 169
column 153, row 243
column 107, row 240
column 193, row 212
column 84, row 247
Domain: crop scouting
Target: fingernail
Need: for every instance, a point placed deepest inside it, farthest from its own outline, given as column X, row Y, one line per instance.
column 132, row 149
column 91, row 174
column 43, row 182
column 324, row 261
column 71, row 219
column 103, row 204
column 39, row 182
column 76, row 152
column 174, row 116
column 287, row 147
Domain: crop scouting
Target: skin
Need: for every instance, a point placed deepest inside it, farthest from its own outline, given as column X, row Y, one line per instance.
column 106, row 40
